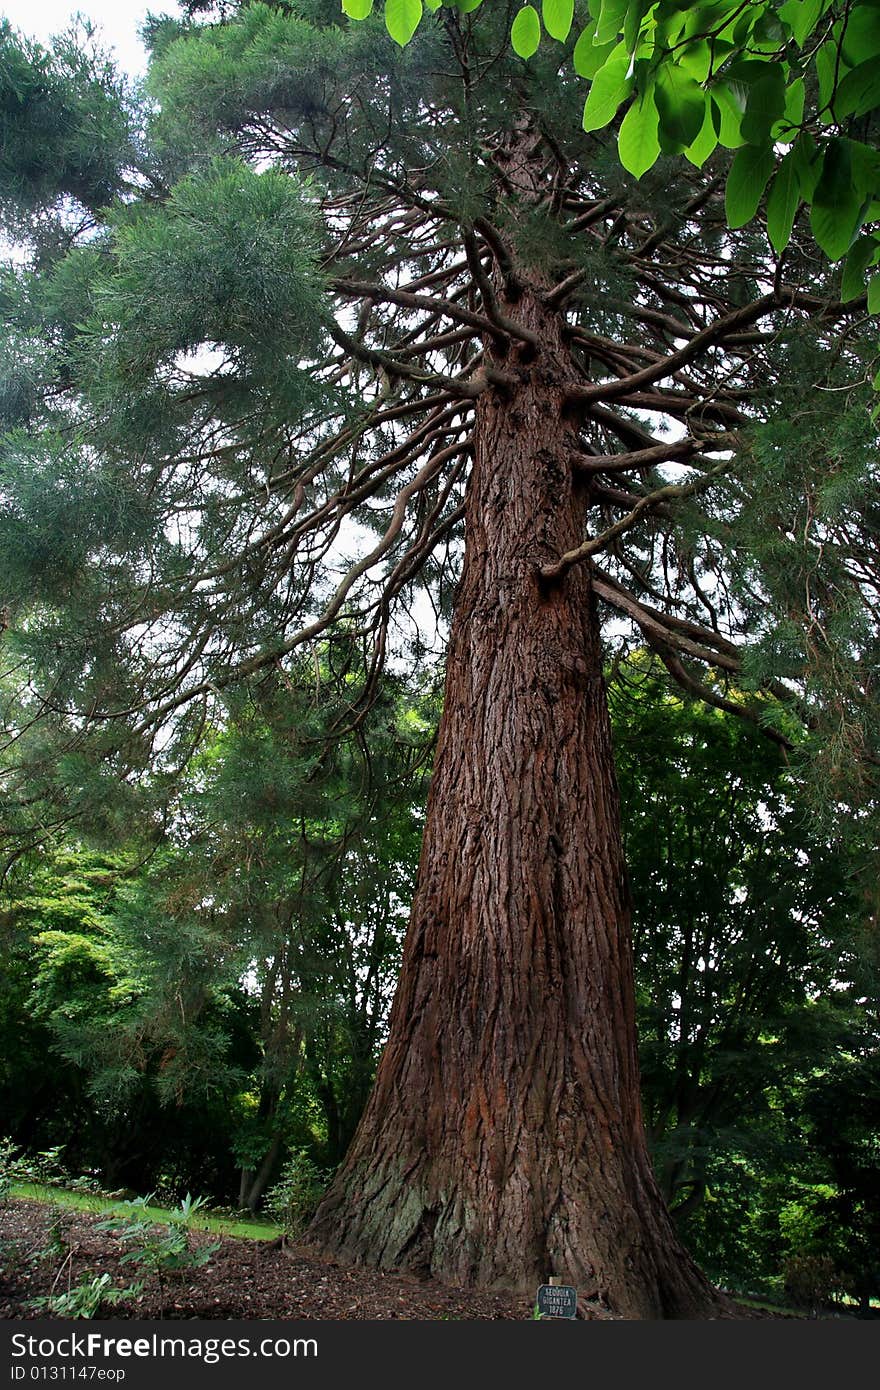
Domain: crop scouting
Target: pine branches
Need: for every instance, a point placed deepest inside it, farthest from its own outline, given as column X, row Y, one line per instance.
column 287, row 352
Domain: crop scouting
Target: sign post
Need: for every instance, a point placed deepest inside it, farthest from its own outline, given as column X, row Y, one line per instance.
column 556, row 1300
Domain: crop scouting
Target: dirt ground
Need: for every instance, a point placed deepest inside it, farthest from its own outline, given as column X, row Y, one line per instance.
column 46, row 1249
column 243, row 1279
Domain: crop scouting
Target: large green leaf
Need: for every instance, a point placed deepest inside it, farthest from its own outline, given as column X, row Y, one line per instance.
column 727, row 114
column 525, row 32
column 808, row 162
column 608, row 89
column 697, row 59
column 638, row 143
column 859, row 91
column 402, row 18
column 860, row 37
column 748, row 177
column 830, row 71
column 635, row 13
column 765, row 104
column 699, row 150
column 671, row 20
column 612, row 14
column 767, row 34
column 787, row 127
column 588, row 57
column 681, row 103
column 783, row 202
column 874, row 294
column 801, row 15
column 865, row 161
column 357, row 9
column 838, row 206
column 557, row 16
column 860, row 257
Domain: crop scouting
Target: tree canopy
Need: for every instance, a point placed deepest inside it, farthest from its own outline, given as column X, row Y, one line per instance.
column 790, row 85
column 147, row 396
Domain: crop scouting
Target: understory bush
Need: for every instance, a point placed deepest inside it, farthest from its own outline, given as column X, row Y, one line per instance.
column 44, row 1167
column 294, row 1198
column 159, row 1250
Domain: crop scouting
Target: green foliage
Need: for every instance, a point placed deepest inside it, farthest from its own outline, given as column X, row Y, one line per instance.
column 842, row 1110
column 525, row 32
column 222, row 75
column 747, row 959
column 558, row 16
column 293, row 1199
column 709, row 73
column 639, row 143
column 312, row 866
column 83, row 994
column 86, row 1298
column 44, row 1167
column 810, row 479
column 86, row 514
column 782, row 206
column 227, row 998
column 59, row 1246
column 749, row 174
column 8, row 1152
column 402, row 18
column 810, row 1281
column 160, row 1250
column 227, row 260
column 198, row 425
column 64, row 126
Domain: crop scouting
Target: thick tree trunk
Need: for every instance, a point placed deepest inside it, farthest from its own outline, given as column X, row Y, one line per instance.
column 503, row 1140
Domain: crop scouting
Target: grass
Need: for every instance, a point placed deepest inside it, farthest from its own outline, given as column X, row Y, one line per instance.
column 836, row 1306
column 94, row 1202
column 766, row 1305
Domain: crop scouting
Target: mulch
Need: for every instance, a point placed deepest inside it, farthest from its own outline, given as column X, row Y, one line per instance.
column 243, row 1279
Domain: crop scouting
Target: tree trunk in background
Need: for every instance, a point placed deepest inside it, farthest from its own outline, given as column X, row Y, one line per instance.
column 253, row 1187
column 503, row 1140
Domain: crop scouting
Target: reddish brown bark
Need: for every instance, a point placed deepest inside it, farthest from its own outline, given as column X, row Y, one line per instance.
column 503, row 1141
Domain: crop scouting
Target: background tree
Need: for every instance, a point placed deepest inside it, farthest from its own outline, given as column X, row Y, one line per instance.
column 755, row 996
column 841, row 1106
column 80, row 991
column 234, row 980
column 304, row 847
column 427, row 283
column 742, row 919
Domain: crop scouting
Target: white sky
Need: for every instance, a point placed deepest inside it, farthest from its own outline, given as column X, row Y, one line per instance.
column 118, row 21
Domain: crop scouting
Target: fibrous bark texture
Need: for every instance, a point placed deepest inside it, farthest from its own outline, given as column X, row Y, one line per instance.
column 503, row 1141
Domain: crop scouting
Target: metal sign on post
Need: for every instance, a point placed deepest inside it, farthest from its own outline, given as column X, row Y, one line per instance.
column 556, row 1300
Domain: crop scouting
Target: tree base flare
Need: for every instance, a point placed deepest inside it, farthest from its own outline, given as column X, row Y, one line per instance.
column 389, row 1223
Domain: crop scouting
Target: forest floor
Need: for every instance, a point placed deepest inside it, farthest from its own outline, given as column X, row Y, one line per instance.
column 47, row 1250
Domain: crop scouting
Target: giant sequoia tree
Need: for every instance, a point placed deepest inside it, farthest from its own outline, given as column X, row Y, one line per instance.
column 359, row 319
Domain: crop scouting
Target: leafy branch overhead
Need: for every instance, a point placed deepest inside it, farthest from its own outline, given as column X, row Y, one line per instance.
column 792, row 88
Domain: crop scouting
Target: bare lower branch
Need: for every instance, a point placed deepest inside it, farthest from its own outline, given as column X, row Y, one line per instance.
column 671, row 492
